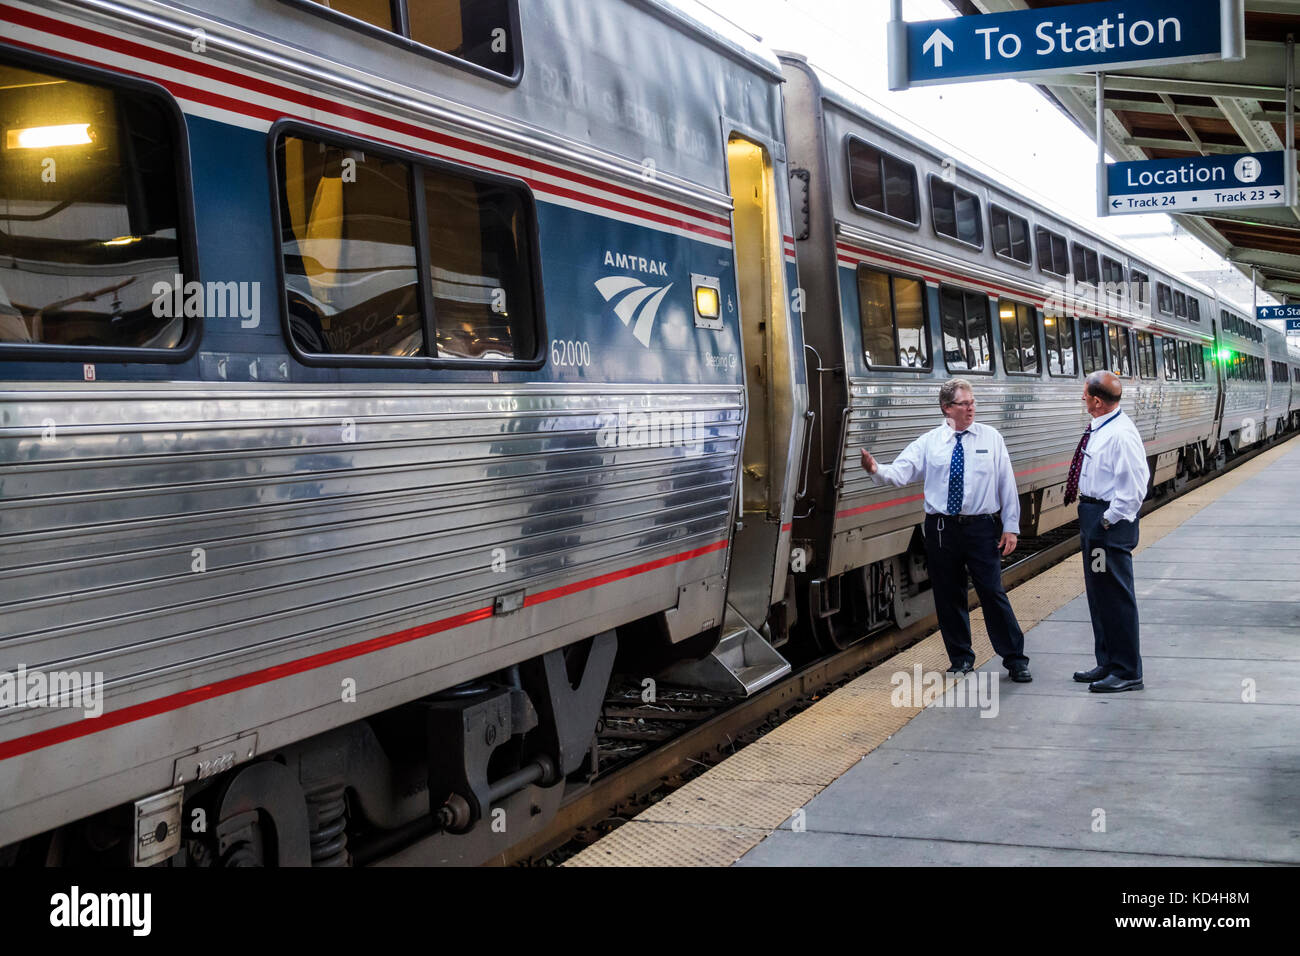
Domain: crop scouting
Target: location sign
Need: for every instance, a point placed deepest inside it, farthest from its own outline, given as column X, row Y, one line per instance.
column 1070, row 38
column 1233, row 181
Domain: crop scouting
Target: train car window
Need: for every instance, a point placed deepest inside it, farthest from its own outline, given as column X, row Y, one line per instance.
column 1019, row 343
column 1141, row 284
column 1180, row 305
column 892, row 312
column 349, row 250
column 1193, row 308
column 1146, row 355
column 91, row 206
column 1170, row 347
column 1092, row 343
column 1164, row 298
column 1059, row 333
column 1010, row 235
column 1121, row 360
column 363, row 279
column 956, row 212
column 481, row 32
column 1084, row 261
column 1225, row 320
column 1112, row 272
column 1185, row 361
column 882, row 183
column 1053, row 252
column 479, row 260
column 967, row 344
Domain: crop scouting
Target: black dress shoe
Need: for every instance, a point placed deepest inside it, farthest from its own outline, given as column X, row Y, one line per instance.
column 1113, row 684
column 1020, row 673
column 1087, row 677
column 961, row 668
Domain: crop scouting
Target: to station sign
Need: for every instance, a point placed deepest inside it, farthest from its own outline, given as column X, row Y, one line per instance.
column 1198, row 183
column 1071, row 38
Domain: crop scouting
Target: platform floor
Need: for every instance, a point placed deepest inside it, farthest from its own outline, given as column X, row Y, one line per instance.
column 1201, row 767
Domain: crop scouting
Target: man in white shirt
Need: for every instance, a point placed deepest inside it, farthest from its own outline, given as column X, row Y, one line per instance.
column 968, row 479
column 1109, row 474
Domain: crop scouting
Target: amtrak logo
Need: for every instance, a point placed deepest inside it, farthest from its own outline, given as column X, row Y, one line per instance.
column 636, row 300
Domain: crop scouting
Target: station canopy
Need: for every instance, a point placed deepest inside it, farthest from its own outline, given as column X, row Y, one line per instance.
column 1199, row 109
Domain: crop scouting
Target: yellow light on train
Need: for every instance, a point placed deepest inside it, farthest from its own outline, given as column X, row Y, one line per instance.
column 1007, row 313
column 121, row 241
column 49, row 137
column 706, row 302
column 1049, row 321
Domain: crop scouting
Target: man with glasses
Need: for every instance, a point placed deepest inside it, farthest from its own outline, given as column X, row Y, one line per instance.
column 968, row 480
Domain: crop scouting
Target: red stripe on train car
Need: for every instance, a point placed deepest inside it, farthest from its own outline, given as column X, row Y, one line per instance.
column 162, row 705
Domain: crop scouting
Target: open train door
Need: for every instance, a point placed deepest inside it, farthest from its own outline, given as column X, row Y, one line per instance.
column 757, row 615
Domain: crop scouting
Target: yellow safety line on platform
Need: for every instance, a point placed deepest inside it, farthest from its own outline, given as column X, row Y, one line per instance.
column 724, row 813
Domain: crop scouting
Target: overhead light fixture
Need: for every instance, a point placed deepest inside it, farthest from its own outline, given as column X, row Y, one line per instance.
column 49, row 137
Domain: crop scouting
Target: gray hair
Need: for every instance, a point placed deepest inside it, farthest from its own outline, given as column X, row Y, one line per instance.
column 948, row 390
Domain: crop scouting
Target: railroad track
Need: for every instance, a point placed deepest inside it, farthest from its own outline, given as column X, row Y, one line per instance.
column 656, row 747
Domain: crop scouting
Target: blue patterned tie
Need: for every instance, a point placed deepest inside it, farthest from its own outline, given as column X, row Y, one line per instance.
column 957, row 477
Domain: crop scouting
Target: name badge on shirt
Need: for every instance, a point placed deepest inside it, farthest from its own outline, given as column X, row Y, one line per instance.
column 981, row 451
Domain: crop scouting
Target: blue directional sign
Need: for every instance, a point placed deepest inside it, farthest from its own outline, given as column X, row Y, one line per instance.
column 1071, row 38
column 1293, row 325
column 1289, row 312
column 1232, row 181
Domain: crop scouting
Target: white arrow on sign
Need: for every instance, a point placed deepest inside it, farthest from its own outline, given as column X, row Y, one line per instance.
column 938, row 40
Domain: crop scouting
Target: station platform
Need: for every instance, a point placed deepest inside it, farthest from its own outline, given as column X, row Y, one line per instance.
column 1202, row 767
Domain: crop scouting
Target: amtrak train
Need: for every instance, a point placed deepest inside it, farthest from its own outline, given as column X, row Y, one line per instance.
column 379, row 377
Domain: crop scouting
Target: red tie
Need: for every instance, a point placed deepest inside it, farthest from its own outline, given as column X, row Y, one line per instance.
column 1072, row 482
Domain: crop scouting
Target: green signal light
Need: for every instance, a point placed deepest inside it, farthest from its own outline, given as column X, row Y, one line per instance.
column 1223, row 355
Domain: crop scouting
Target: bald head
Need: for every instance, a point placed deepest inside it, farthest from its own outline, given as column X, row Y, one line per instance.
column 1105, row 386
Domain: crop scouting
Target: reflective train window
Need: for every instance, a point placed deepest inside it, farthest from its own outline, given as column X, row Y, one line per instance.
column 1010, row 235
column 1193, row 308
column 478, row 259
column 1171, row 360
column 481, row 32
column 1184, row 361
column 1092, row 343
column 1053, row 254
column 956, row 212
column 348, row 241
column 360, row 278
column 1180, row 305
column 1146, row 355
column 1120, row 360
column 967, row 345
column 882, row 183
column 92, row 215
column 1112, row 273
column 1164, row 298
column 1140, row 283
column 1084, row 261
column 892, row 313
column 1019, row 344
column 1059, row 333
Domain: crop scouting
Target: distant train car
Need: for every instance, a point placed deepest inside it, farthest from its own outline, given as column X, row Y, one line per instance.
column 368, row 380
column 1244, row 419
column 917, row 270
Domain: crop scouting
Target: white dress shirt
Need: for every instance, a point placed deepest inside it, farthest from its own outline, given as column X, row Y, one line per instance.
column 1115, row 466
column 988, row 482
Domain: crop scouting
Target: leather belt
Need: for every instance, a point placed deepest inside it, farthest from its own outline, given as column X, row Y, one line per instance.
column 1089, row 500
column 962, row 519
